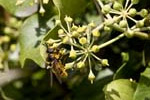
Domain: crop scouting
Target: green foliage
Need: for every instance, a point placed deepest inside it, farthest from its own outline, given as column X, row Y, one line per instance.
column 83, row 38
column 121, row 89
column 24, row 10
column 69, row 7
column 143, row 88
column 32, row 32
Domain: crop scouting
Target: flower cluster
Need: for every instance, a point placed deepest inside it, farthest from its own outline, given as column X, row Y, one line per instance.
column 118, row 15
column 80, row 44
column 8, row 34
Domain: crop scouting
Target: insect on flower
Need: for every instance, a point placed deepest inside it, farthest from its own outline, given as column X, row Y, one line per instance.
column 54, row 63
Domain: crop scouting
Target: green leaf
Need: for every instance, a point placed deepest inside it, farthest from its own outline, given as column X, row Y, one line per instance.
column 121, row 89
column 23, row 10
column 143, row 88
column 50, row 34
column 86, row 91
column 32, row 32
column 70, row 7
column 129, row 68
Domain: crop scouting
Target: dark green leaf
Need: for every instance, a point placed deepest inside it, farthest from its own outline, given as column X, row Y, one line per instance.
column 70, row 7
column 131, row 68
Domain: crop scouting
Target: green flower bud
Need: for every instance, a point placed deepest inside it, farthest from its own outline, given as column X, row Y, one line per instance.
column 68, row 19
column 135, row 1
column 6, row 39
column 96, row 33
column 132, row 12
column 117, row 6
column 80, row 64
column 45, row 1
column 105, row 62
column 108, row 22
column 125, row 56
column 107, row 29
column 91, row 76
column 73, row 54
column 7, row 30
column 95, row 48
column 123, row 23
column 13, row 47
column 62, row 51
column 81, row 29
column 91, row 24
column 60, row 31
column 1, row 65
column 129, row 34
column 106, row 9
column 69, row 65
column 12, row 21
column 42, row 10
column 66, row 40
column 83, row 40
column 50, row 41
column 116, row 19
column 18, row 24
column 74, row 27
column 75, row 34
column 140, row 23
column 143, row 13
column 55, row 45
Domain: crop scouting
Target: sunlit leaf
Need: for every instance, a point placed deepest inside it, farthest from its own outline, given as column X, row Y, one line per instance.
column 23, row 10
column 32, row 32
column 143, row 88
column 121, row 89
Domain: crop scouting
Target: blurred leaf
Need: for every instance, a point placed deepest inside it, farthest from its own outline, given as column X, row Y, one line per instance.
column 70, row 7
column 121, row 89
column 131, row 68
column 87, row 91
column 11, row 75
column 23, row 10
column 143, row 88
column 32, row 32
column 104, row 73
column 4, row 96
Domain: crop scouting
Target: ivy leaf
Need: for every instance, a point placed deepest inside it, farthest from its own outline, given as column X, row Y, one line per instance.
column 70, row 7
column 121, row 89
column 129, row 68
column 143, row 88
column 23, row 10
column 32, row 32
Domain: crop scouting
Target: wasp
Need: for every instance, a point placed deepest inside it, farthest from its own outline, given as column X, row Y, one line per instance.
column 54, row 63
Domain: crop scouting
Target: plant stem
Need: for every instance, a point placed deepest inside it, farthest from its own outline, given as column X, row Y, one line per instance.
column 142, row 35
column 111, row 41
